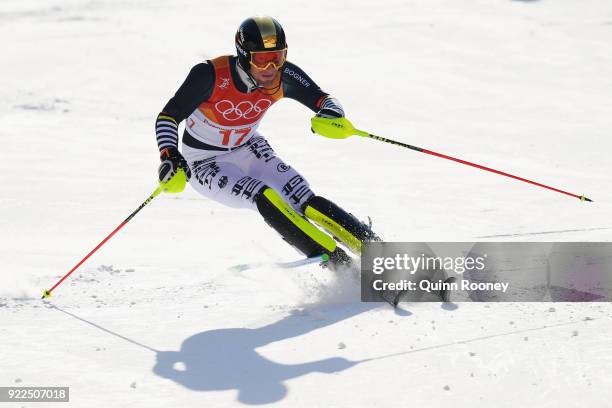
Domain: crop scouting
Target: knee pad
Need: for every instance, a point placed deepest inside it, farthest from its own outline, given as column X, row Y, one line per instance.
column 292, row 227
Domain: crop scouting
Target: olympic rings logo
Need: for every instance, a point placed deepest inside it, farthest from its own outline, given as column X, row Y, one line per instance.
column 244, row 110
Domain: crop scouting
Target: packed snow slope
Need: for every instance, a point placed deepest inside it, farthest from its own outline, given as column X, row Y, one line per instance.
column 159, row 318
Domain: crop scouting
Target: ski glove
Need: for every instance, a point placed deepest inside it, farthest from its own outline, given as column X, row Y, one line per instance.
column 329, row 114
column 173, row 170
column 329, row 117
column 330, row 108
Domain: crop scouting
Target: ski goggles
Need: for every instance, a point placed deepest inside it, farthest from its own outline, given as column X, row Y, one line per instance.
column 262, row 60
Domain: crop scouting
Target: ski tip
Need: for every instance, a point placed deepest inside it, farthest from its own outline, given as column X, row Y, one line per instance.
column 583, row 198
column 46, row 295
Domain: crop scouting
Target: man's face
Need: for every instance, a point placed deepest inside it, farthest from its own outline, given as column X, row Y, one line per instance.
column 266, row 77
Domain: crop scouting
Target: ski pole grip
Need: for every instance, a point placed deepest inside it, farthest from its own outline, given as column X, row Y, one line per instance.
column 333, row 128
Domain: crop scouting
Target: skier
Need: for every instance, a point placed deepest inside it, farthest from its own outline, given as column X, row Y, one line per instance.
column 226, row 159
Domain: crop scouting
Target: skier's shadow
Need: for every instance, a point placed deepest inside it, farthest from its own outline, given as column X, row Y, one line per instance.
column 227, row 359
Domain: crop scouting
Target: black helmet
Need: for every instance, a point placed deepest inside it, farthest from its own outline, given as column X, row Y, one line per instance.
column 261, row 33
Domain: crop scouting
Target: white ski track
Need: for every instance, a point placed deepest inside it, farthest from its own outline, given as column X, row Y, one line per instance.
column 282, row 265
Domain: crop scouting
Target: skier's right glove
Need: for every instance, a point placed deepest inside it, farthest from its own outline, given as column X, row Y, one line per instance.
column 173, row 170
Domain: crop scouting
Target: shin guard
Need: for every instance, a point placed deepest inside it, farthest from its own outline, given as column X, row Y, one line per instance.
column 294, row 229
column 342, row 225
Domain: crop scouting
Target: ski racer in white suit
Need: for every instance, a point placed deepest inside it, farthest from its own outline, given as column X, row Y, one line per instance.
column 225, row 159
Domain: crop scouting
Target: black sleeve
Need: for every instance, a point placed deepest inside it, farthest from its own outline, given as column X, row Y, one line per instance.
column 297, row 85
column 197, row 88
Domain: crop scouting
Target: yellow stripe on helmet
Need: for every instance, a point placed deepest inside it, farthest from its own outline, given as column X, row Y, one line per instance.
column 268, row 31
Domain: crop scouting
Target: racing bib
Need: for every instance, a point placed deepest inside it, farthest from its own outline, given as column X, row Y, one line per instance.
column 229, row 118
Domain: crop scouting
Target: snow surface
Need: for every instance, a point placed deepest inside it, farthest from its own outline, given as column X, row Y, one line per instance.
column 157, row 318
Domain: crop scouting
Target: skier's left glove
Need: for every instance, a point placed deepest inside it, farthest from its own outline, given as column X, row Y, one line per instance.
column 329, row 114
column 173, row 170
column 330, row 108
column 330, row 121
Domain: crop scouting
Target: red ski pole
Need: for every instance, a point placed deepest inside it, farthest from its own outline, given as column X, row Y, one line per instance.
column 341, row 128
column 478, row 166
column 47, row 293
